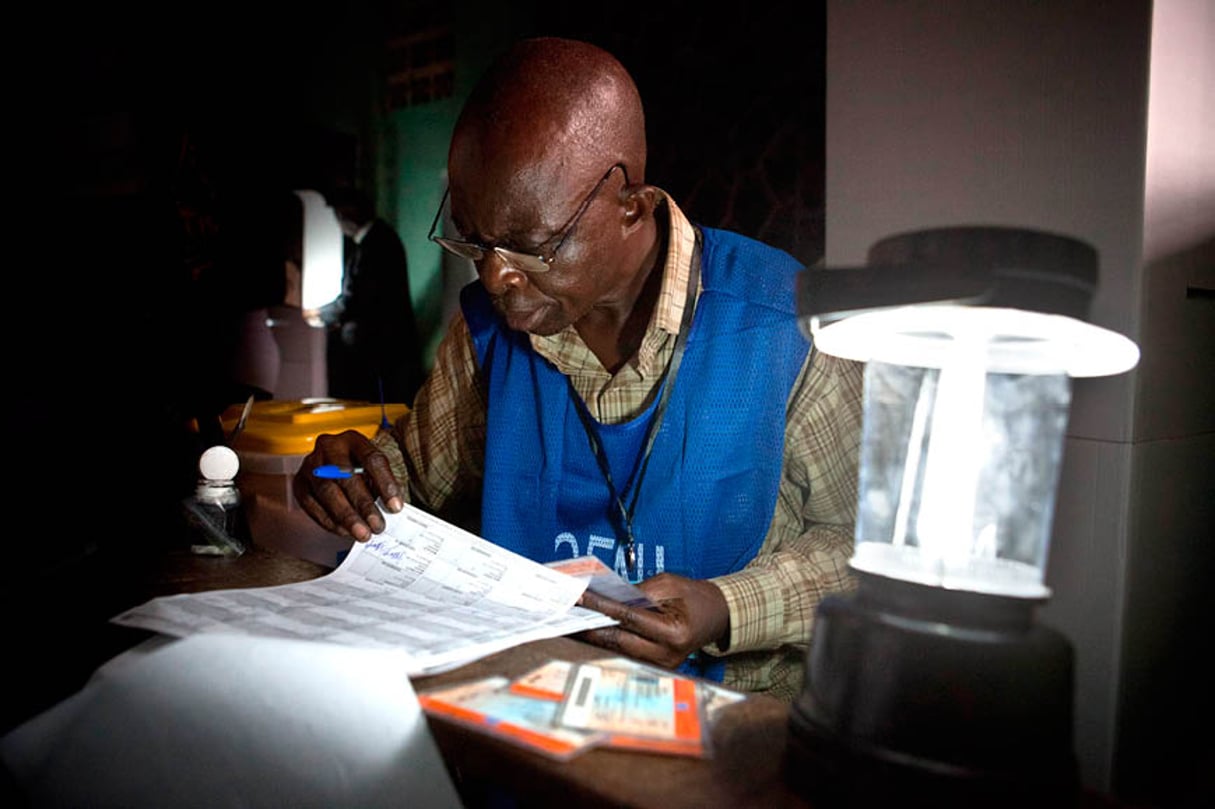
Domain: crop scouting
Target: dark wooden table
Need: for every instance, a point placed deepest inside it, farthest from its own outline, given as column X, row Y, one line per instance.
column 748, row 745
column 748, row 740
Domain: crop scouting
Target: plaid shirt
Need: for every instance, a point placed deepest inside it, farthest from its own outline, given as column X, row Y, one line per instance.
column 809, row 541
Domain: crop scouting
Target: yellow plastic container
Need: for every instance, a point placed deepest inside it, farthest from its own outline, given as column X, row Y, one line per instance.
column 290, row 426
column 276, row 437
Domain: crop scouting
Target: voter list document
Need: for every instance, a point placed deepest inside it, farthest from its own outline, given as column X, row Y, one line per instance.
column 444, row 596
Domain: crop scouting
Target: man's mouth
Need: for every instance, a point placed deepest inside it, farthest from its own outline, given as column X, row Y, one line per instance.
column 516, row 313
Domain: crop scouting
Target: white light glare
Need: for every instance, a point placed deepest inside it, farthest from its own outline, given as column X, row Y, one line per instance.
column 1017, row 341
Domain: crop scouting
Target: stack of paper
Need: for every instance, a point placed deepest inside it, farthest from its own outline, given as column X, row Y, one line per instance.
column 442, row 595
column 231, row 722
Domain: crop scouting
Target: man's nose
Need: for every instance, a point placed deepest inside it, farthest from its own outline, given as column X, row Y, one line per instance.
column 497, row 276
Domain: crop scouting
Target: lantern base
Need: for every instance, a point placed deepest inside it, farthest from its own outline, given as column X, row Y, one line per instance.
column 927, row 697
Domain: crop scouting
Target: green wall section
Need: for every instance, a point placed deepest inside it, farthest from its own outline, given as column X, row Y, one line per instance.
column 414, row 184
column 411, row 152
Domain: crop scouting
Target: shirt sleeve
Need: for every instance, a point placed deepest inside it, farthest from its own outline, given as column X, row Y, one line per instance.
column 809, row 542
column 437, row 448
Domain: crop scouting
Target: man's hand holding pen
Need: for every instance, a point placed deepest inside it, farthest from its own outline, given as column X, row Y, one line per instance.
column 353, row 475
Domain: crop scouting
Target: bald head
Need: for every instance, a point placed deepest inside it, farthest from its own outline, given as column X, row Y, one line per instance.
column 535, row 168
column 550, row 107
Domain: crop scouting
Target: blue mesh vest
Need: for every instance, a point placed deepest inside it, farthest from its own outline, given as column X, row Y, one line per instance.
column 709, row 492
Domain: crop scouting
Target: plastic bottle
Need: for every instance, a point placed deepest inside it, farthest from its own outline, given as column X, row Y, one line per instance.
column 214, row 512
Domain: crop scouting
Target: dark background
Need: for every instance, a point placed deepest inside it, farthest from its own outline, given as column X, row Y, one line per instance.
column 154, row 155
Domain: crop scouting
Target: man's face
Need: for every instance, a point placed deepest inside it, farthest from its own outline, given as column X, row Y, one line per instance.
column 575, row 222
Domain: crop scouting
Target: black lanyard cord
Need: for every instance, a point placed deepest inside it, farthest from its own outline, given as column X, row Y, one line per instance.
column 625, row 515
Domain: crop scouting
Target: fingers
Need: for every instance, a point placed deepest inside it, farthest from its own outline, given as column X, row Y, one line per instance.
column 339, row 507
column 648, row 623
column 609, row 607
column 346, row 506
column 655, row 635
column 379, row 472
column 690, row 615
column 619, row 640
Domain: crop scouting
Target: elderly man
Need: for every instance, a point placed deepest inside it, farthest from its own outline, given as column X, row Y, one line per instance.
column 623, row 382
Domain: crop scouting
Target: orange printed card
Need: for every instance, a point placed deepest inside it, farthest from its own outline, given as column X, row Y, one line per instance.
column 489, row 706
column 636, row 708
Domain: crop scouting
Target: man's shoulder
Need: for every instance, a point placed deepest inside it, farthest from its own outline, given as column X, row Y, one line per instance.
column 745, row 249
column 749, row 269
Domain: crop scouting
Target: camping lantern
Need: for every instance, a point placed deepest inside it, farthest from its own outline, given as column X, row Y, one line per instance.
column 932, row 682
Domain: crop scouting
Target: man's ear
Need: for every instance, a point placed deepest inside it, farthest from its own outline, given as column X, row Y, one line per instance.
column 639, row 203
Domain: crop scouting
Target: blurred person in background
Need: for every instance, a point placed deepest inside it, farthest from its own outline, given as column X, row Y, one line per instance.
column 373, row 351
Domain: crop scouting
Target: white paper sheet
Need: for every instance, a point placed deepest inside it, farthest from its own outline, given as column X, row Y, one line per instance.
column 440, row 594
column 223, row 721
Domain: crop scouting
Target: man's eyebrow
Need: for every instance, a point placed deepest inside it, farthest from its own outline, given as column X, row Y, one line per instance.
column 510, row 241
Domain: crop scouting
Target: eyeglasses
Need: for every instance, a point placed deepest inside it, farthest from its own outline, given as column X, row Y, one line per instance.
column 527, row 262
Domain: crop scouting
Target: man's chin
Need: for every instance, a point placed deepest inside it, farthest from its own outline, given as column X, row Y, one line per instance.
column 531, row 321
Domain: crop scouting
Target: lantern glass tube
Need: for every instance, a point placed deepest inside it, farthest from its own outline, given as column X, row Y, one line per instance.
column 965, row 412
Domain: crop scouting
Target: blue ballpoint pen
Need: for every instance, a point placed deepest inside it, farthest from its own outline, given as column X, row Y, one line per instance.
column 334, row 472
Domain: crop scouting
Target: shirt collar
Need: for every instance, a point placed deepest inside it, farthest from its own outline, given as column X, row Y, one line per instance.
column 676, row 269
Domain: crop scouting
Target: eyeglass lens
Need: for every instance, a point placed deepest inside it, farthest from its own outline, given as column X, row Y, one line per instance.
column 527, row 262
column 475, row 252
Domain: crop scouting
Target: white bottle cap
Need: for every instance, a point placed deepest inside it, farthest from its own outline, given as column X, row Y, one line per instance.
column 219, row 463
